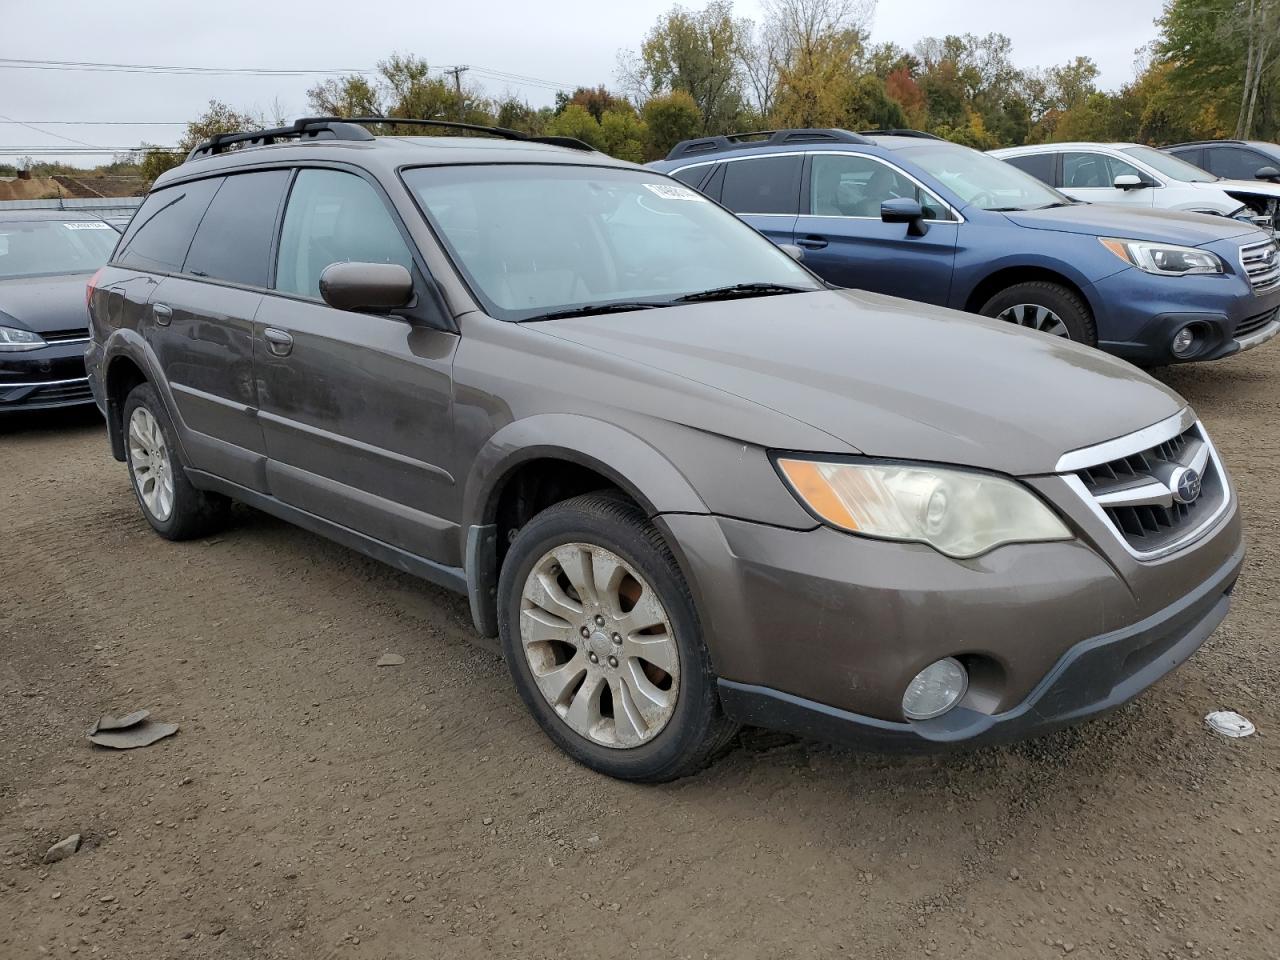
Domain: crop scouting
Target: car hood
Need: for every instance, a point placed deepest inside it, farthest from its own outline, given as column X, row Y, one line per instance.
column 893, row 378
column 1133, row 223
column 1256, row 188
column 45, row 304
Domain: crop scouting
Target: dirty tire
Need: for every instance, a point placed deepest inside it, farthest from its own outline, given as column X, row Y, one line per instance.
column 194, row 512
column 697, row 730
column 1066, row 303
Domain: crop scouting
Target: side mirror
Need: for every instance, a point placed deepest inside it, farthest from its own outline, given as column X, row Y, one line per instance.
column 366, row 287
column 902, row 210
column 1268, row 173
column 1130, row 181
column 792, row 251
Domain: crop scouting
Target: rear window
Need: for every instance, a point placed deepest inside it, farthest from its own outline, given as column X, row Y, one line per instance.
column 161, row 231
column 762, row 185
column 32, row 248
column 233, row 241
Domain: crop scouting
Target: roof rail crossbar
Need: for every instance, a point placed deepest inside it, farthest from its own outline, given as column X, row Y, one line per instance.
column 899, row 132
column 353, row 128
column 756, row 138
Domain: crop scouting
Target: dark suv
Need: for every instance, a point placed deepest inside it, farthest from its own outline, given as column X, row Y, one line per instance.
column 1232, row 159
column 685, row 483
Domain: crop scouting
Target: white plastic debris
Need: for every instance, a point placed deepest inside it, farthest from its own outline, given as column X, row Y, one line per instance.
column 1230, row 724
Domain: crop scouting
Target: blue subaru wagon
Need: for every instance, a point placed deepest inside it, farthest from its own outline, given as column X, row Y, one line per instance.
column 913, row 216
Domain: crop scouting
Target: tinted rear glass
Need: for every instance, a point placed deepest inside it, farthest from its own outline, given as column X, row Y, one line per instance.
column 161, row 232
column 1039, row 165
column 234, row 239
column 762, row 185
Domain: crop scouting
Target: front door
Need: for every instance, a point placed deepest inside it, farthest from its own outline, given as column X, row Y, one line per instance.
column 846, row 243
column 1092, row 176
column 356, row 408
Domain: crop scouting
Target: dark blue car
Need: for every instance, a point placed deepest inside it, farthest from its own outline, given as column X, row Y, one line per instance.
column 920, row 218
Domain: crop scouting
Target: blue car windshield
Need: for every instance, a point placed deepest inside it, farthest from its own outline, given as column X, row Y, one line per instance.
column 983, row 181
column 539, row 240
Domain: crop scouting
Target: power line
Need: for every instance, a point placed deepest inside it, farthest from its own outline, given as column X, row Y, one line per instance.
column 90, row 66
column 99, row 123
column 47, row 133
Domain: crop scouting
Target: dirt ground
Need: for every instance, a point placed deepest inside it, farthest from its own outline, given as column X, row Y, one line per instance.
column 314, row 805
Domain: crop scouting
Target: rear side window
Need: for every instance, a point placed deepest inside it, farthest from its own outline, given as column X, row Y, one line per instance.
column 692, row 176
column 233, row 241
column 1039, row 165
column 762, row 185
column 161, row 231
column 333, row 217
column 1193, row 155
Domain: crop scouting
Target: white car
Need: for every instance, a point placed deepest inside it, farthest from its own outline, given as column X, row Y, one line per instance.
column 1132, row 174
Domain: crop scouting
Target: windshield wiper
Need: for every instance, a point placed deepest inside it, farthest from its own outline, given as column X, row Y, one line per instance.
column 740, row 291
column 1058, row 203
column 1005, row 209
column 592, row 309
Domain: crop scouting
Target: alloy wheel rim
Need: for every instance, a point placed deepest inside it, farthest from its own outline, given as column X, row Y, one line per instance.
column 1036, row 316
column 150, row 464
column 600, row 645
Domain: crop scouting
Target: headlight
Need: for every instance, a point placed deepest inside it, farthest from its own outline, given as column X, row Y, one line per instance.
column 956, row 512
column 12, row 338
column 1164, row 259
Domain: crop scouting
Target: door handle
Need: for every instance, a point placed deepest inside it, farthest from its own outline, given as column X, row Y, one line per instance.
column 812, row 242
column 163, row 313
column 278, row 342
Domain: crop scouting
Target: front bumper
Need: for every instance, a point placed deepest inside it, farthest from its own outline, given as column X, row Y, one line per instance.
column 1138, row 316
column 819, row 632
column 44, row 379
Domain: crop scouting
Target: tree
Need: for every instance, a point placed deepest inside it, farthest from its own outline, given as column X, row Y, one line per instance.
column 596, row 100
column 349, row 96
column 697, row 52
column 670, row 118
column 217, row 118
column 821, row 43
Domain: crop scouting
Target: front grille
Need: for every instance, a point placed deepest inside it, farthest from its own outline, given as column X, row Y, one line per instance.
column 1261, row 262
column 1137, row 492
column 66, row 336
column 62, row 393
column 19, row 395
column 1255, row 323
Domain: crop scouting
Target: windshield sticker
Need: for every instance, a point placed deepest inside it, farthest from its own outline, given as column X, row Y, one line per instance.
column 87, row 225
column 673, row 191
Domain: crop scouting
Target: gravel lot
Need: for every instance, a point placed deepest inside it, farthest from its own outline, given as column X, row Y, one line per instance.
column 314, row 805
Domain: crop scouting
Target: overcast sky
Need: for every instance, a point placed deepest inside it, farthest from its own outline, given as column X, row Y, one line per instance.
column 552, row 42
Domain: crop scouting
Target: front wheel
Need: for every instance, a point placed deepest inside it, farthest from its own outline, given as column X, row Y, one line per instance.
column 603, row 643
column 1048, row 307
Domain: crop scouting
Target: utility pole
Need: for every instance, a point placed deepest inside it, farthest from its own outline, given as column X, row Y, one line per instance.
column 457, row 73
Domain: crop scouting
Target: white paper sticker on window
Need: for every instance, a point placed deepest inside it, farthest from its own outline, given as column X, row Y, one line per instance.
column 673, row 191
column 87, row 225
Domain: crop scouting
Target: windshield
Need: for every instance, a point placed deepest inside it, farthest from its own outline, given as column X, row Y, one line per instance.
column 31, row 248
column 983, row 181
column 534, row 240
column 1170, row 166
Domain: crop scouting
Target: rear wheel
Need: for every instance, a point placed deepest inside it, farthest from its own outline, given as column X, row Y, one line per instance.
column 603, row 643
column 1048, row 307
column 175, row 509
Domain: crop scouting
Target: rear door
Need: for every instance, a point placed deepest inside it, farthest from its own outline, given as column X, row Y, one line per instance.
column 356, row 408
column 763, row 191
column 847, row 243
column 207, row 245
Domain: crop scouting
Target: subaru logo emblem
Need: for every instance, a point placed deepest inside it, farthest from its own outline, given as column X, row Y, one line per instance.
column 1186, row 485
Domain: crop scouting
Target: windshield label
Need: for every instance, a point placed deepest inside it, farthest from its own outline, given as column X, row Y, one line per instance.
column 87, row 225
column 673, row 191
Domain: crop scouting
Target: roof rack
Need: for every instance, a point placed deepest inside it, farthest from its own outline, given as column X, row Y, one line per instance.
column 900, row 132
column 1197, row 143
column 352, row 129
column 760, row 138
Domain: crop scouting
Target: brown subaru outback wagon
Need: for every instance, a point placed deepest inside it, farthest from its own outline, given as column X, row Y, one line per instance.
column 687, row 484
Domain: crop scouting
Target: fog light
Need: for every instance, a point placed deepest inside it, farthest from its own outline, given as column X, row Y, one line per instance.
column 1184, row 341
column 935, row 689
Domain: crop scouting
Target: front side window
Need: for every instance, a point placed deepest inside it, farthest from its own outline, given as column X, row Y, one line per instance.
column 1237, row 163
column 1095, row 170
column 762, row 185
column 233, row 241
column 32, row 248
column 538, row 239
column 334, row 217
column 161, row 231
column 981, row 180
column 849, row 185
